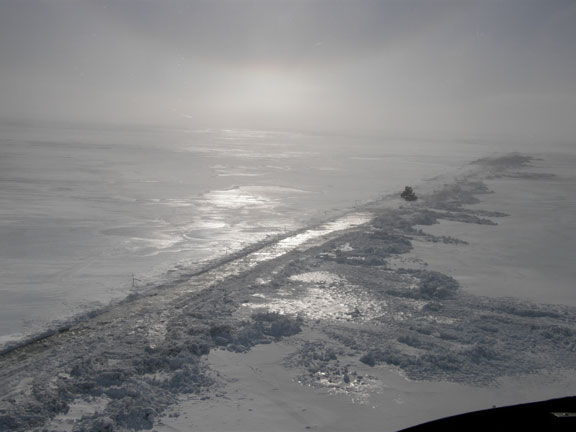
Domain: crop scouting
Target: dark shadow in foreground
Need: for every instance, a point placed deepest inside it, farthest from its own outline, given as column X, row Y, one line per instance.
column 551, row 415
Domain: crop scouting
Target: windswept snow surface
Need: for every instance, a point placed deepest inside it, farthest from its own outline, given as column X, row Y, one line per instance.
column 82, row 208
column 356, row 319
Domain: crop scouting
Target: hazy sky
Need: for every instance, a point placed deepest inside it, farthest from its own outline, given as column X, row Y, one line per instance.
column 466, row 66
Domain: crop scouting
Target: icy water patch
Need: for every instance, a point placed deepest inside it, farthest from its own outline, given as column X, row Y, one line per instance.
column 358, row 390
column 319, row 277
column 324, row 303
column 291, row 243
column 321, row 295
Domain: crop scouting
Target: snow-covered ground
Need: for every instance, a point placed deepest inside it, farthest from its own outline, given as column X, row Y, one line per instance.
column 337, row 326
column 82, row 210
column 530, row 254
column 529, row 249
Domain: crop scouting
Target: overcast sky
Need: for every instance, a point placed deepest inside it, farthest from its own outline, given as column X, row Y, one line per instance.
column 456, row 67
